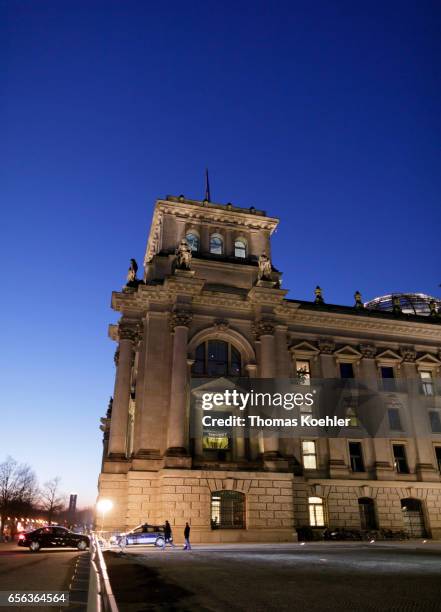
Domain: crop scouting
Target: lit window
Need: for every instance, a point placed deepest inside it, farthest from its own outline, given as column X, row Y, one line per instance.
column 427, row 387
column 227, row 510
column 316, row 512
column 309, row 455
column 400, row 459
column 240, row 249
column 356, row 457
column 216, row 244
column 352, row 416
column 303, row 369
column 193, row 241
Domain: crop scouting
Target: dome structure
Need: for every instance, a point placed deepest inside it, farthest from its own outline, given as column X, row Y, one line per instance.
column 411, row 303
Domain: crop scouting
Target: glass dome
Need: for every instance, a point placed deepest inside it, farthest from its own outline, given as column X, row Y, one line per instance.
column 411, row 303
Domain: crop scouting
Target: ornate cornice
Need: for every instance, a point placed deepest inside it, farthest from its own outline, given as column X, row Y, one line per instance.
column 180, row 318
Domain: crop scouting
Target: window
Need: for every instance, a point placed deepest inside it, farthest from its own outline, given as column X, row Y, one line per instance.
column 216, row 244
column 316, row 512
column 352, row 416
column 193, row 241
column 309, row 454
column 240, row 249
column 303, row 370
column 368, row 518
column 435, row 421
column 356, row 457
column 217, row 438
column 388, row 378
column 217, row 358
column 394, row 419
column 400, row 460
column 427, row 387
column 438, row 456
column 227, row 510
column 346, row 370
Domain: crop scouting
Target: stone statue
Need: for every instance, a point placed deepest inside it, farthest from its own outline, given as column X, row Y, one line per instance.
column 265, row 268
column 131, row 274
column 433, row 308
column 358, row 300
column 183, row 255
column 396, row 305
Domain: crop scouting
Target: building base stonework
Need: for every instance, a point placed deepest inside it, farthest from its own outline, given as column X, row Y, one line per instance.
column 342, row 507
column 183, row 495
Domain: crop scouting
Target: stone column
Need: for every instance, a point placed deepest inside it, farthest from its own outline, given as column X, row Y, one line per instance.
column 265, row 331
column 121, row 397
column 177, row 416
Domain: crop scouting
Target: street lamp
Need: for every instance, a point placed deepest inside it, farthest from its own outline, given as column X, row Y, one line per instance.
column 103, row 506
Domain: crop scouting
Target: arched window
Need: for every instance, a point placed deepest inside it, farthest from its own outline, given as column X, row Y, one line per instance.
column 368, row 517
column 216, row 244
column 193, row 241
column 227, row 510
column 413, row 517
column 316, row 512
column 217, row 358
column 240, row 249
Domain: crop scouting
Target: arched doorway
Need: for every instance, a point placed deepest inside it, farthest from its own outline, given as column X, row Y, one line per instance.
column 413, row 517
column 368, row 517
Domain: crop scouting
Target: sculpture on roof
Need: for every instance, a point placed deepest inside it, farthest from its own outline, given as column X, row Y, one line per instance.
column 131, row 274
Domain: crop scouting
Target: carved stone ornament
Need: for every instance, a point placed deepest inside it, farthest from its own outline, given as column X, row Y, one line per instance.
column 368, row 351
column 264, row 327
column 221, row 324
column 132, row 332
column 326, row 346
column 408, row 353
column 116, row 357
column 180, row 318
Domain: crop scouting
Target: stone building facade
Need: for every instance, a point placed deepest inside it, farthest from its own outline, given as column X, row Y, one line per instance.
column 218, row 311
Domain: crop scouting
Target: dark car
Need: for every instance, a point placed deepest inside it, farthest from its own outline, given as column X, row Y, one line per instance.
column 143, row 534
column 53, row 536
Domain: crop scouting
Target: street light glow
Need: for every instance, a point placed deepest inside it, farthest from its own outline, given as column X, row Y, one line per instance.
column 104, row 505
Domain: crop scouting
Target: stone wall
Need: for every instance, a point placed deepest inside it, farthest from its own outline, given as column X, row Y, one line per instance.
column 184, row 495
column 341, row 503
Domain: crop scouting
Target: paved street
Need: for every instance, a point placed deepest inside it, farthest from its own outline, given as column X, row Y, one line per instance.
column 50, row 570
column 312, row 577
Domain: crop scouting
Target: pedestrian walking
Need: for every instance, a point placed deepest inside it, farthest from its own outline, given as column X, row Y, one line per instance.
column 168, row 539
column 187, row 537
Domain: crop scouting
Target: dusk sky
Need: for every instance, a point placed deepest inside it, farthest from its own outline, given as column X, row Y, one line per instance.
column 325, row 114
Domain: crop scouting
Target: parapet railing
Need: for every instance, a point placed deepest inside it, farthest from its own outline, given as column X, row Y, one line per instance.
column 101, row 597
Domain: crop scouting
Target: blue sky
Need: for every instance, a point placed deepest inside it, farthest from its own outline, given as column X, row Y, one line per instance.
column 325, row 114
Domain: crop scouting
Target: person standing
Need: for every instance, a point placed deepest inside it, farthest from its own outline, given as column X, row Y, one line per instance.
column 167, row 535
column 187, row 537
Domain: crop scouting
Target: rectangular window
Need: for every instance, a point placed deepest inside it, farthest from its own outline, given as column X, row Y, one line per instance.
column 388, row 378
column 400, row 459
column 316, row 512
column 356, row 457
column 346, row 370
column 435, row 421
column 309, row 454
column 394, row 419
column 427, row 387
column 438, row 456
column 303, row 369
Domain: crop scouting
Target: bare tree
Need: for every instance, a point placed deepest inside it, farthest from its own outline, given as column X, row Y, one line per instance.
column 52, row 500
column 18, row 487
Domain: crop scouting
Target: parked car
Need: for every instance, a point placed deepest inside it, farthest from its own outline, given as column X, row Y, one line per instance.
column 53, row 536
column 143, row 534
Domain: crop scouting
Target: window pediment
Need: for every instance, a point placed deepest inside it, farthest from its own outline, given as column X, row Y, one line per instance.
column 304, row 350
column 388, row 357
column 348, row 354
column 428, row 361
